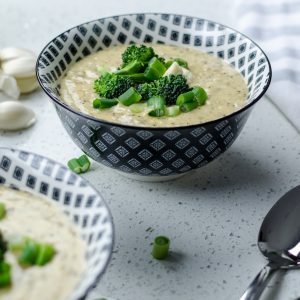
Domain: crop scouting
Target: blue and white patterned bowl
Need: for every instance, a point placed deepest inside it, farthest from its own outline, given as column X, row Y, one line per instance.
column 162, row 152
column 78, row 199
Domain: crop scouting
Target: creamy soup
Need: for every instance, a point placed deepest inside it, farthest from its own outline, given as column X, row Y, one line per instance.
column 226, row 88
column 30, row 216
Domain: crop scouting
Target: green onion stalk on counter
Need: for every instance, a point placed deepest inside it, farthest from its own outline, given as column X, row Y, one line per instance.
column 79, row 165
column 141, row 84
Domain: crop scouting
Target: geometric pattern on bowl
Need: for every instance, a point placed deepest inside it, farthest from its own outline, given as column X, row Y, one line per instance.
column 75, row 196
column 153, row 151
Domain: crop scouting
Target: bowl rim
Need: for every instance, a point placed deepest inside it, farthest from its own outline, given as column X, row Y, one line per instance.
column 149, row 128
column 100, row 274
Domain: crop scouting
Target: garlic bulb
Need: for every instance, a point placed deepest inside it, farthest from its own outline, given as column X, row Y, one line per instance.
column 19, row 64
column 15, row 116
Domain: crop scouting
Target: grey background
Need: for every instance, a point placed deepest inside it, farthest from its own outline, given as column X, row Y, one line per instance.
column 212, row 216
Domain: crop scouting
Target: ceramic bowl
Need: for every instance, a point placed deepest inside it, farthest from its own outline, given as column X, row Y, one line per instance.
column 78, row 200
column 159, row 153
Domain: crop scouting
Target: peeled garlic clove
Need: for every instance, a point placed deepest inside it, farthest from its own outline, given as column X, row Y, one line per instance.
column 20, row 67
column 15, row 116
column 27, row 85
column 9, row 86
column 12, row 53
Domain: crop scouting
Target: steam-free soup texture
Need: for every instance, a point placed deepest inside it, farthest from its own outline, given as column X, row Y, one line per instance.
column 40, row 219
column 226, row 88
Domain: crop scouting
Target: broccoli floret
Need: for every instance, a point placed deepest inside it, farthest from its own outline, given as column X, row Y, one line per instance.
column 141, row 54
column 111, row 85
column 169, row 87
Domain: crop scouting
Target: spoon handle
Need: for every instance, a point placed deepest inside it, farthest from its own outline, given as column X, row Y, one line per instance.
column 258, row 284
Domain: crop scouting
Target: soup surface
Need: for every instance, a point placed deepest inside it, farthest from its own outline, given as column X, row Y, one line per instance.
column 226, row 88
column 30, row 216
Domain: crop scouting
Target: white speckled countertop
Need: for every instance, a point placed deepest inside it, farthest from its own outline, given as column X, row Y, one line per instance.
column 212, row 216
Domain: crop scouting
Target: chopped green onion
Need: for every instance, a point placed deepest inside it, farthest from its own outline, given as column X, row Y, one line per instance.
column 104, row 103
column 84, row 162
column 185, row 98
column 200, row 94
column 29, row 253
column 132, row 68
column 172, row 111
column 161, row 247
column 5, row 274
column 74, row 165
column 2, row 211
column 137, row 107
column 79, row 165
column 45, row 254
column 185, row 107
column 155, row 69
column 138, row 77
column 156, row 106
column 129, row 97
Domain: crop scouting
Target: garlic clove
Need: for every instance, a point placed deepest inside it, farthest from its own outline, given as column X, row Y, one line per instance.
column 13, row 53
column 27, row 85
column 20, row 67
column 9, row 86
column 15, row 116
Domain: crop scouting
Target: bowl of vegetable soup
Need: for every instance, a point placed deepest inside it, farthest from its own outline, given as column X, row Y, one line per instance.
column 153, row 95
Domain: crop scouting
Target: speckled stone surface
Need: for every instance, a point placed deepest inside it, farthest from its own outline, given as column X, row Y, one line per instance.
column 212, row 215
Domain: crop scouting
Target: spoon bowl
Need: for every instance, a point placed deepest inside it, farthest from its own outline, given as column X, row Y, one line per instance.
column 278, row 241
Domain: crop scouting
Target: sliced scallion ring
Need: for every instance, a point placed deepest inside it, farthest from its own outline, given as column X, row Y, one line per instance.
column 172, row 111
column 200, row 95
column 161, row 247
column 155, row 69
column 104, row 103
column 186, row 107
column 131, row 96
column 2, row 211
column 156, row 106
column 185, row 98
column 79, row 165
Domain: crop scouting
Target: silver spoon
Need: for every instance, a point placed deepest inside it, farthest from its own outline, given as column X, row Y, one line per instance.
column 278, row 240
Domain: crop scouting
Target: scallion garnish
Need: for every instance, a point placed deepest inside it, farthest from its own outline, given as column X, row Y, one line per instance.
column 161, row 247
column 172, row 111
column 2, row 211
column 200, row 95
column 104, row 103
column 185, row 98
column 5, row 274
column 29, row 253
column 45, row 254
column 156, row 105
column 137, row 107
column 79, row 165
column 155, row 69
column 185, row 107
column 131, row 96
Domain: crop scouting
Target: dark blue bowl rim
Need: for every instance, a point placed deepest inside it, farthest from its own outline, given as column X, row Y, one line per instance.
column 77, row 112
column 98, row 277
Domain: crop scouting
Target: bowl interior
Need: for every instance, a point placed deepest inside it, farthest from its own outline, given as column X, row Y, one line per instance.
column 213, row 38
column 81, row 202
